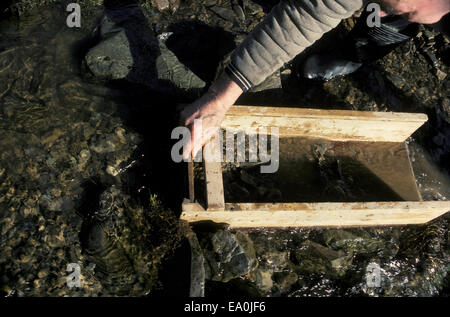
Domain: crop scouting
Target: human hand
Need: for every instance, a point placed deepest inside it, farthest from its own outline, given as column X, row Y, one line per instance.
column 204, row 116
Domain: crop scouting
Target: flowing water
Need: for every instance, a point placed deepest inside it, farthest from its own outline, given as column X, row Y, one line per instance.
column 80, row 160
column 65, row 143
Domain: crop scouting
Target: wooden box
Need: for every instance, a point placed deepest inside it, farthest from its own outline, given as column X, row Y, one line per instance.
column 346, row 129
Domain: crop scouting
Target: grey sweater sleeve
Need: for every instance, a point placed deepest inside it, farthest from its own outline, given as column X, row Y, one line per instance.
column 287, row 30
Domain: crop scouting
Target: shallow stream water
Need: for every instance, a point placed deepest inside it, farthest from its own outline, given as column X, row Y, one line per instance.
column 65, row 138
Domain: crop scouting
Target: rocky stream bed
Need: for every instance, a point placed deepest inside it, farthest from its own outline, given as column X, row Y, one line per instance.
column 86, row 175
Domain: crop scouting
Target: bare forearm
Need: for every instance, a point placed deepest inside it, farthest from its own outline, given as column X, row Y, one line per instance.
column 225, row 92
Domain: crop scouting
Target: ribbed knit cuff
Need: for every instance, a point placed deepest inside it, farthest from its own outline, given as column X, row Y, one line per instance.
column 237, row 77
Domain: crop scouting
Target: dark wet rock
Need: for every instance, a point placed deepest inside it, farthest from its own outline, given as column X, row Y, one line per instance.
column 200, row 46
column 441, row 138
column 170, row 69
column 285, row 280
column 244, row 183
column 197, row 277
column 351, row 242
column 111, row 59
column 128, row 50
column 238, row 11
column 275, row 260
column 236, row 288
column 315, row 258
column 236, row 190
column 113, row 240
column 228, row 256
column 247, row 178
column 224, row 13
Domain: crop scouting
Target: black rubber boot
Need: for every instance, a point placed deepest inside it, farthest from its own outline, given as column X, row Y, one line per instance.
column 362, row 45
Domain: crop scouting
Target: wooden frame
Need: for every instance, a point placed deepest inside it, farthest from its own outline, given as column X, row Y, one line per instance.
column 335, row 125
column 286, row 215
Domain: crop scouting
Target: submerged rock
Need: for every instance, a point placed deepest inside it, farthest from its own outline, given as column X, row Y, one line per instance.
column 166, row 5
column 228, row 256
column 128, row 50
column 238, row 11
column 116, row 238
column 263, row 280
column 224, row 13
column 315, row 258
column 350, row 242
column 197, row 288
column 285, row 280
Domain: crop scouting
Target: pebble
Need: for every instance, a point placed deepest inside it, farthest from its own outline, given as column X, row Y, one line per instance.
column 264, row 280
column 111, row 170
column 37, row 283
column 85, row 155
column 24, row 258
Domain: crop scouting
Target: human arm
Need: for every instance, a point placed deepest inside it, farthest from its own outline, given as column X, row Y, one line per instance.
column 292, row 26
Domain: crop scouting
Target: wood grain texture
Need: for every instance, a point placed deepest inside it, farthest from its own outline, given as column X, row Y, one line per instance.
column 285, row 215
column 336, row 125
column 213, row 175
column 191, row 182
column 391, row 165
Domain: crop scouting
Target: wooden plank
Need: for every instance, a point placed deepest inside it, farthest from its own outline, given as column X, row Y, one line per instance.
column 191, row 180
column 389, row 162
column 296, row 112
column 336, row 125
column 379, row 171
column 285, row 215
column 213, row 175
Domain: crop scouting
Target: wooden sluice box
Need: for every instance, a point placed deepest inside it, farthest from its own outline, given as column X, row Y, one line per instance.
column 321, row 152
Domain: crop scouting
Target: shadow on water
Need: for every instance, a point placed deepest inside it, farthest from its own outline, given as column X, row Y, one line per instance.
column 199, row 46
column 153, row 112
column 150, row 110
column 176, row 273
